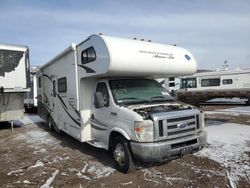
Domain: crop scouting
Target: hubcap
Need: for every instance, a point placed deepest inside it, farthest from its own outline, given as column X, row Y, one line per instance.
column 119, row 154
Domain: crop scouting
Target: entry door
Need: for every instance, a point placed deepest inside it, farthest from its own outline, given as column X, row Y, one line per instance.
column 100, row 117
column 54, row 97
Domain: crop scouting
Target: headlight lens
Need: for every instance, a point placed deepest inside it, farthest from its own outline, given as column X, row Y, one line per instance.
column 144, row 131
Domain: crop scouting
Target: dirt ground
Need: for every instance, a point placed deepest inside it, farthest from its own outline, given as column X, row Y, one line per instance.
column 32, row 156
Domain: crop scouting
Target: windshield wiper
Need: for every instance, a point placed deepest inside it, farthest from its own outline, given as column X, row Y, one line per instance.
column 160, row 98
column 131, row 100
column 128, row 98
column 157, row 97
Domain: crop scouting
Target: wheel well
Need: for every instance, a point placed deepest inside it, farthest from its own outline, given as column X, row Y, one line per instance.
column 112, row 136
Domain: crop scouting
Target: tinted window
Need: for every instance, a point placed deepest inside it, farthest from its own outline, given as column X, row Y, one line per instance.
column 102, row 88
column 188, row 83
column 62, row 84
column 171, row 79
column 54, row 88
column 39, row 82
column 227, row 81
column 172, row 84
column 88, row 55
column 210, row 82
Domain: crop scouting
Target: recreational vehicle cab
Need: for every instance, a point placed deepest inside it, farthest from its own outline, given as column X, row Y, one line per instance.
column 14, row 80
column 102, row 91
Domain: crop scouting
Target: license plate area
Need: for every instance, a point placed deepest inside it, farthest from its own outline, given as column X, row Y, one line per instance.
column 186, row 151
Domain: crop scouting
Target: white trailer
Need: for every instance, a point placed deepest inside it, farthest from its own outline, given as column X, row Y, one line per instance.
column 30, row 101
column 14, row 80
column 204, row 86
column 102, row 91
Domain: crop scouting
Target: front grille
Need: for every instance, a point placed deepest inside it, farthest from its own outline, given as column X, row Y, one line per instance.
column 171, row 128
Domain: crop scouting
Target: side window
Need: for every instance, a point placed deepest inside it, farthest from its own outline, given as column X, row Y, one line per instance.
column 227, row 81
column 172, row 84
column 171, row 79
column 62, row 84
column 102, row 87
column 88, row 55
column 210, row 82
column 54, row 88
column 188, row 83
column 39, row 82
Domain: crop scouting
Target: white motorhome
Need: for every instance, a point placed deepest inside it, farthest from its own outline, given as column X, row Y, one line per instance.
column 102, row 91
column 14, row 80
column 203, row 86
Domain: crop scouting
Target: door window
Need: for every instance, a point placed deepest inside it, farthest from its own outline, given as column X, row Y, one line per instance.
column 102, row 88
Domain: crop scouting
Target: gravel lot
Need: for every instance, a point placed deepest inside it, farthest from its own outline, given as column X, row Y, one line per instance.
column 32, row 156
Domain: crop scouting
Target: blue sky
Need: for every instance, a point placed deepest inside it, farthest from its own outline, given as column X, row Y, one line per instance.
column 213, row 30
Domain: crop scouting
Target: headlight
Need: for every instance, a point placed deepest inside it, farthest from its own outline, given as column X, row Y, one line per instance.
column 144, row 131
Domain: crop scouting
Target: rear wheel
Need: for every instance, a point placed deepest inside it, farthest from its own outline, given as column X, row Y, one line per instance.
column 122, row 155
column 50, row 123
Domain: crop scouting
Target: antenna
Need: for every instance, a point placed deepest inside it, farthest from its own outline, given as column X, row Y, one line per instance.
column 225, row 65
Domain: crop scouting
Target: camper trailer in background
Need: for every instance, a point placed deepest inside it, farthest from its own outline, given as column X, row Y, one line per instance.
column 14, row 80
column 102, row 91
column 204, row 86
column 30, row 101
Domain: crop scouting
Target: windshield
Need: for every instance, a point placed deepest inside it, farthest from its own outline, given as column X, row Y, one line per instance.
column 135, row 91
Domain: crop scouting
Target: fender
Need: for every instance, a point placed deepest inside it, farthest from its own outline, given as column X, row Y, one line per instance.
column 121, row 131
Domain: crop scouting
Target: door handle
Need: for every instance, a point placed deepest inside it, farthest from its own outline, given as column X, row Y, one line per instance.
column 113, row 113
column 92, row 116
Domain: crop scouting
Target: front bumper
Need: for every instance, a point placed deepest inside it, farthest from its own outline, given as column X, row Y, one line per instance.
column 167, row 150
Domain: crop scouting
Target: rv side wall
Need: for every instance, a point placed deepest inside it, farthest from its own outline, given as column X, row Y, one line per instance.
column 57, row 94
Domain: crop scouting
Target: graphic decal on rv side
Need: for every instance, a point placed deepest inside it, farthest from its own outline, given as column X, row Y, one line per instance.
column 98, row 128
column 87, row 69
column 77, row 121
column 9, row 60
column 47, row 76
column 97, row 122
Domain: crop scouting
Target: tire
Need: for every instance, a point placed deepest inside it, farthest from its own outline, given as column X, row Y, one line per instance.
column 122, row 155
column 248, row 102
column 50, row 123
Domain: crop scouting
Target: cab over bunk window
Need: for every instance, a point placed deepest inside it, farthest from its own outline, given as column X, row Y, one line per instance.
column 188, row 83
column 62, row 84
column 227, row 81
column 210, row 82
column 88, row 55
column 54, row 88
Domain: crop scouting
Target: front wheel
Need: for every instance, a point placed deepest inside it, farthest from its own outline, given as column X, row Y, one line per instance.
column 122, row 155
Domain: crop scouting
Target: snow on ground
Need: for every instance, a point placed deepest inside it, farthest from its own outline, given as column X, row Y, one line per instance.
column 153, row 175
column 36, row 137
column 28, row 120
column 50, row 180
column 95, row 169
column 228, row 144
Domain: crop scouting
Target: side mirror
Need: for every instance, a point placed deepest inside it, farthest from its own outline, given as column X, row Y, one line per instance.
column 99, row 101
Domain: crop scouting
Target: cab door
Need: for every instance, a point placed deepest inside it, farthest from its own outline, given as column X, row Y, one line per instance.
column 101, row 121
